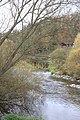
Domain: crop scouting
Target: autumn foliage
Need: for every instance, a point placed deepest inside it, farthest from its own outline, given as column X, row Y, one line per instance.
column 58, row 58
column 72, row 64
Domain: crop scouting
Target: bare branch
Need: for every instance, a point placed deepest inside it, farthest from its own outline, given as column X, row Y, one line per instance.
column 3, row 3
column 38, row 10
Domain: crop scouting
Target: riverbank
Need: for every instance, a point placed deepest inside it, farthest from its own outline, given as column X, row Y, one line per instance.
column 59, row 100
column 17, row 117
column 72, row 82
column 68, row 79
column 58, row 74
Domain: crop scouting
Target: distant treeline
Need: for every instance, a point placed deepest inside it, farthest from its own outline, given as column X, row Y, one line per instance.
column 50, row 33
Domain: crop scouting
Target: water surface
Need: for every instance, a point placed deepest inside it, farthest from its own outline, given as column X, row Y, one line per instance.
column 61, row 101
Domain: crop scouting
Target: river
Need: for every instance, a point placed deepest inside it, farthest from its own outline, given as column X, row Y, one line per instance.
column 61, row 99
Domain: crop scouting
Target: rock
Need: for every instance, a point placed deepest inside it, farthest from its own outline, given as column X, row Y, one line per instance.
column 75, row 86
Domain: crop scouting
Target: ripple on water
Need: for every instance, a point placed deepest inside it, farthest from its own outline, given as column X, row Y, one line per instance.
column 59, row 111
column 61, row 99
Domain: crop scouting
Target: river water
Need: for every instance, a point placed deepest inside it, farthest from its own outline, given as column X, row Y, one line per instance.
column 61, row 98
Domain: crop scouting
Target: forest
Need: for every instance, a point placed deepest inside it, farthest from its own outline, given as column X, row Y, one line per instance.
column 37, row 36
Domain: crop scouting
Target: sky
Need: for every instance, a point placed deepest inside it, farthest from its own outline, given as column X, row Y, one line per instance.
column 6, row 20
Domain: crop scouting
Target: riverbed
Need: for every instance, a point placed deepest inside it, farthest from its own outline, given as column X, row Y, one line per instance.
column 60, row 100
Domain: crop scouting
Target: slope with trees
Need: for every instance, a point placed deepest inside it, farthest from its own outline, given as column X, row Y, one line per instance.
column 17, row 13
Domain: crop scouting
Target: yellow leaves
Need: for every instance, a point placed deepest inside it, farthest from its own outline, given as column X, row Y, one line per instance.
column 58, row 57
column 72, row 64
column 59, row 53
column 5, row 50
column 77, row 41
column 17, row 80
column 74, row 55
column 22, row 69
column 7, row 45
column 22, row 64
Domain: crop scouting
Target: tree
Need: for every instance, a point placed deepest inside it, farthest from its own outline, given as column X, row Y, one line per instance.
column 77, row 41
column 72, row 64
column 18, row 13
column 58, row 58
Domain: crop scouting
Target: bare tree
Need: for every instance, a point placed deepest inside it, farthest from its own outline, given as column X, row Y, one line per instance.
column 16, row 13
column 27, row 11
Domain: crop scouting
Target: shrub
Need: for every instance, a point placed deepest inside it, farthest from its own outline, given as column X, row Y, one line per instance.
column 72, row 64
column 77, row 41
column 5, row 50
column 16, row 82
column 58, row 58
column 16, row 117
column 23, row 65
column 17, row 78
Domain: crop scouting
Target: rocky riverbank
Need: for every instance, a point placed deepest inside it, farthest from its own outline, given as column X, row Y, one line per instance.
column 65, row 78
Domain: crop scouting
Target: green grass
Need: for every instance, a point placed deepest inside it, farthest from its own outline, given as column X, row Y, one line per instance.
column 16, row 117
column 53, row 70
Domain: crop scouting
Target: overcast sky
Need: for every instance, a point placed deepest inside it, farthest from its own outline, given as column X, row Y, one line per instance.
column 6, row 20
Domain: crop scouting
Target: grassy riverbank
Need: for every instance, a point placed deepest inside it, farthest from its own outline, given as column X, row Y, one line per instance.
column 16, row 117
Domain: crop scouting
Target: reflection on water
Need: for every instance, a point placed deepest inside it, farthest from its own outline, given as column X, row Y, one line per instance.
column 59, row 111
column 61, row 101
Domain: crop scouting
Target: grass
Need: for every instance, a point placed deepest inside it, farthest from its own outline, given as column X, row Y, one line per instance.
column 16, row 117
column 53, row 70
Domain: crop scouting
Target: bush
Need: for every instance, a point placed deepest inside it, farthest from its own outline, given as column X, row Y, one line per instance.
column 77, row 41
column 16, row 80
column 5, row 50
column 72, row 64
column 58, row 58
column 23, row 65
column 13, row 81
column 16, row 117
